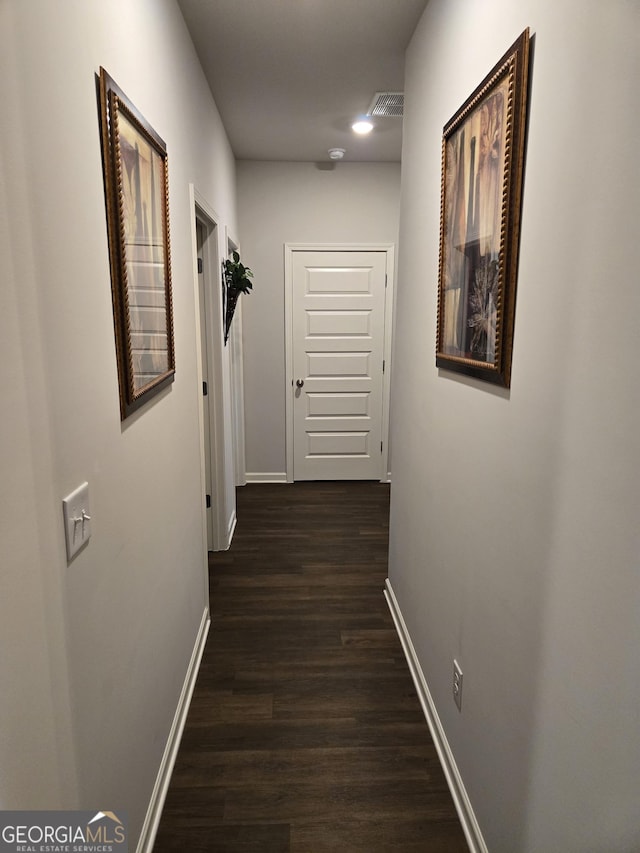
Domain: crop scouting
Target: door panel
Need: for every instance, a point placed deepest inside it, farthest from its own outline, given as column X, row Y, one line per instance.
column 338, row 405
column 338, row 323
column 337, row 444
column 336, row 280
column 346, row 365
column 338, row 343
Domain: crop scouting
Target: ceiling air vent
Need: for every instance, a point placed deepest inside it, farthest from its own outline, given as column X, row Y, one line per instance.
column 387, row 104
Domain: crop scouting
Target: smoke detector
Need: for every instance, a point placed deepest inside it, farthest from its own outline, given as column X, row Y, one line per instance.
column 336, row 153
column 387, row 104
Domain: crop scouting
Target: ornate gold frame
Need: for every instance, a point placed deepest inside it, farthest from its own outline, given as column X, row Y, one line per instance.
column 480, row 205
column 137, row 199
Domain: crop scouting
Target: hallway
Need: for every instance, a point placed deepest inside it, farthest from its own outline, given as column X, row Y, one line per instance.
column 305, row 732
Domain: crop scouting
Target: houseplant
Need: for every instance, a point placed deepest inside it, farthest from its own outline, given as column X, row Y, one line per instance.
column 236, row 280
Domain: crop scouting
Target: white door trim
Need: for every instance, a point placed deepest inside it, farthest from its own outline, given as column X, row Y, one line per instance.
column 289, row 249
column 212, row 253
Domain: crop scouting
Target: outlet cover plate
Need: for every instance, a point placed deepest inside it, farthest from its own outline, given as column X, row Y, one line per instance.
column 77, row 520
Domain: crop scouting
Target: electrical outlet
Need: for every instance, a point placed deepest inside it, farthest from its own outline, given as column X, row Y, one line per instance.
column 457, row 684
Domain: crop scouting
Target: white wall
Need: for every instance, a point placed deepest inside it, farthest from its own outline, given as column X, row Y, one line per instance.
column 514, row 519
column 282, row 203
column 94, row 654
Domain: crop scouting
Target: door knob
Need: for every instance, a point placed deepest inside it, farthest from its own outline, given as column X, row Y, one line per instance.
column 299, row 383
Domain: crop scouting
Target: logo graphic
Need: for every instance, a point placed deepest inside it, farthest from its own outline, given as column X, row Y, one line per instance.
column 100, row 815
column 63, row 832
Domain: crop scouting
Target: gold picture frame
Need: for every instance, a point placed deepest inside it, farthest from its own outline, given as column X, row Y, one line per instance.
column 482, row 171
column 137, row 200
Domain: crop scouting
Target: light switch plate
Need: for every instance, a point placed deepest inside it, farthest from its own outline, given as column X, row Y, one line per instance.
column 77, row 519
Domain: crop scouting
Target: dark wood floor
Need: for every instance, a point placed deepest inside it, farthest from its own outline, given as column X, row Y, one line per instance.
column 305, row 733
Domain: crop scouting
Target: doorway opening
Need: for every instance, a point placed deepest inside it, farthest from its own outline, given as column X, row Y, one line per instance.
column 217, row 462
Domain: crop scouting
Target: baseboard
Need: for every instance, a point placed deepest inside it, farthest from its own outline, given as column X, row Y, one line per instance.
column 454, row 780
column 266, row 477
column 154, row 811
column 231, row 528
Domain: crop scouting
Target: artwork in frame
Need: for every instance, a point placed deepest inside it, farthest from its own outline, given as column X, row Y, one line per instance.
column 137, row 200
column 482, row 171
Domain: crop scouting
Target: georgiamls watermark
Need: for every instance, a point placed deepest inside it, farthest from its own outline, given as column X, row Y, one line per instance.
column 63, row 832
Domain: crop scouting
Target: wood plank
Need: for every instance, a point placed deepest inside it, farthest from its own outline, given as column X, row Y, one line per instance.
column 305, row 733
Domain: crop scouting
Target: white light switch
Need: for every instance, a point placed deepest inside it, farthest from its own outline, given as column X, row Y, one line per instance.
column 77, row 519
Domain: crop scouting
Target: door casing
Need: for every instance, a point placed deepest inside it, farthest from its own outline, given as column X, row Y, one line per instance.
column 236, row 358
column 218, row 400
column 289, row 249
column 202, row 236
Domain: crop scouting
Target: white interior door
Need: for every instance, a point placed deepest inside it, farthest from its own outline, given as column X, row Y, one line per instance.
column 218, row 477
column 204, row 350
column 338, row 316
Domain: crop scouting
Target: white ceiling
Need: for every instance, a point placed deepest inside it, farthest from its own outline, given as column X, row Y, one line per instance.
column 290, row 76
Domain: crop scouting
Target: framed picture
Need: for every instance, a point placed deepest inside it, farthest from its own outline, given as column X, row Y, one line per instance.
column 482, row 170
column 137, row 200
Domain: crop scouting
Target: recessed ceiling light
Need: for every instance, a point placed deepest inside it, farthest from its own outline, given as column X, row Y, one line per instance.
column 362, row 127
